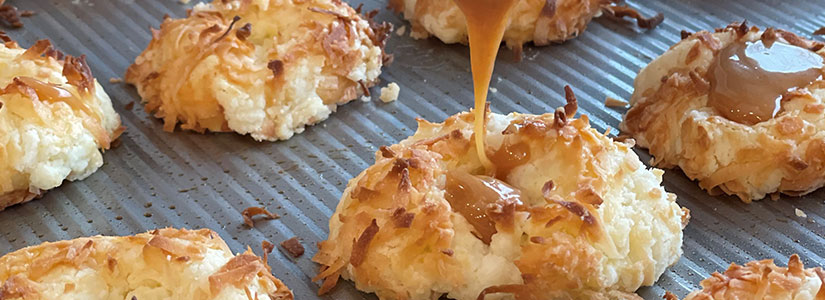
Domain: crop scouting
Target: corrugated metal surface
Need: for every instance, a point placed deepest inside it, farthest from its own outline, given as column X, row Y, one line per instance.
column 156, row 179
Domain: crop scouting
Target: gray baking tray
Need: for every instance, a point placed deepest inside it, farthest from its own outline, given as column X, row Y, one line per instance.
column 182, row 179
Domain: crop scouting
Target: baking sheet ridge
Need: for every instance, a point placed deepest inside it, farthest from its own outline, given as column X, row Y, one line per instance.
column 209, row 179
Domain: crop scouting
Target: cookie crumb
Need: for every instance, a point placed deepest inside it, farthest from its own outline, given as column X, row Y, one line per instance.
column 401, row 30
column 115, row 80
column 390, row 92
column 800, row 213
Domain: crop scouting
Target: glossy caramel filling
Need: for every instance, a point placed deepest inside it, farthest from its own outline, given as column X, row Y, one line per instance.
column 51, row 93
column 508, row 157
column 747, row 80
column 471, row 195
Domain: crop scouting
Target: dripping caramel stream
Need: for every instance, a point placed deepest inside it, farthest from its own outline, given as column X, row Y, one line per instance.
column 486, row 21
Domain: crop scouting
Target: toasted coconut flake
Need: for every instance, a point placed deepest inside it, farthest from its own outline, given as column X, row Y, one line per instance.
column 244, row 32
column 613, row 102
column 572, row 103
column 78, row 73
column 519, row 291
column 740, row 28
column 276, row 66
column 238, row 272
column 267, row 247
column 709, row 40
column 401, row 218
column 250, row 212
column 332, row 13
column 626, row 11
column 386, row 152
column 559, row 118
column 293, row 247
column 359, row 249
column 9, row 16
column 38, row 49
column 174, row 246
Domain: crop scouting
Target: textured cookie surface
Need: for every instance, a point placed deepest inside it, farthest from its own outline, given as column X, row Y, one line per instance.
column 537, row 21
column 764, row 280
column 591, row 221
column 266, row 68
column 161, row 264
column 672, row 117
column 54, row 120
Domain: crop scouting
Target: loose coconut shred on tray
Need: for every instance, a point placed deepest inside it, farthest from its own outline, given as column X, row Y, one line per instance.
column 293, row 246
column 619, row 12
column 250, row 212
column 10, row 17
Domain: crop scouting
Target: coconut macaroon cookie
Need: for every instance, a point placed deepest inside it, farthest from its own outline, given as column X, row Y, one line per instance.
column 740, row 110
column 161, row 264
column 266, row 68
column 567, row 213
column 763, row 280
column 54, row 120
column 540, row 22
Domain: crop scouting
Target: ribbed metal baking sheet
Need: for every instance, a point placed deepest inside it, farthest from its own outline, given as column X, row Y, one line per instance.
column 157, row 179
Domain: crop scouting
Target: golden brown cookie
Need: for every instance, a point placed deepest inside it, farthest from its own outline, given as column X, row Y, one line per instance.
column 161, row 264
column 567, row 212
column 736, row 127
column 763, row 279
column 55, row 119
column 266, row 68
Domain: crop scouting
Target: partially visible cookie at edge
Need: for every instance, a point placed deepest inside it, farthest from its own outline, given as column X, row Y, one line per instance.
column 266, row 68
column 160, row 264
column 764, row 280
column 748, row 145
column 55, row 119
column 538, row 21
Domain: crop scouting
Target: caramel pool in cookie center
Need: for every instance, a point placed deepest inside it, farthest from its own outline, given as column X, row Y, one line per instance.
column 470, row 195
column 747, row 80
column 508, row 157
